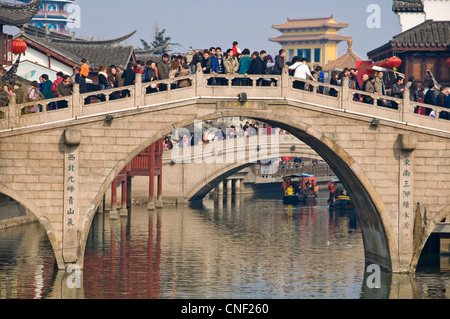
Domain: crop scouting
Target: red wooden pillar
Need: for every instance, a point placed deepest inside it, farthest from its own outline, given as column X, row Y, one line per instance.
column 113, row 212
column 123, row 209
column 161, row 172
column 151, row 200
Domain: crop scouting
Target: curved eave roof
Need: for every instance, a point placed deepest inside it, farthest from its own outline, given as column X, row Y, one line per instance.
column 151, row 51
column 430, row 35
column 17, row 15
column 310, row 24
column 67, row 39
column 348, row 60
column 400, row 6
column 95, row 42
column 299, row 38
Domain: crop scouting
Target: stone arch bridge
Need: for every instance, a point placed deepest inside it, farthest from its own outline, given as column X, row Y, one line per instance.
column 191, row 173
column 394, row 163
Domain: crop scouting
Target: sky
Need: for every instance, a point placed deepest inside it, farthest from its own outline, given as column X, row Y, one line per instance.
column 202, row 24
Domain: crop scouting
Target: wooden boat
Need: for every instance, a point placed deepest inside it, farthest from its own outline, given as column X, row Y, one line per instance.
column 299, row 188
column 339, row 198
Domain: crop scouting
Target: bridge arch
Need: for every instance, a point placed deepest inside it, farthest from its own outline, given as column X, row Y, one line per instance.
column 201, row 189
column 40, row 216
column 377, row 231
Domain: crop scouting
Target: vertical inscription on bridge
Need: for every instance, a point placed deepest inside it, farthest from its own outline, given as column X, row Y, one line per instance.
column 71, row 194
column 406, row 197
column 406, row 218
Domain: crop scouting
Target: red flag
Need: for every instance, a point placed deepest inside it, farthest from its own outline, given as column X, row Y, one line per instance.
column 362, row 67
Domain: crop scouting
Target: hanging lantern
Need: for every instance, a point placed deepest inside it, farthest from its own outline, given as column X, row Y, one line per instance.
column 448, row 62
column 394, row 62
column 19, row 46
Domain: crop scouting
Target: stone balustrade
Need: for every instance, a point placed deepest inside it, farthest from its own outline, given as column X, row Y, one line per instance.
column 15, row 116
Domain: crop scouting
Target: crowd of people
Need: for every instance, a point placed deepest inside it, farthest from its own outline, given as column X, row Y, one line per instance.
column 216, row 133
column 44, row 90
column 234, row 61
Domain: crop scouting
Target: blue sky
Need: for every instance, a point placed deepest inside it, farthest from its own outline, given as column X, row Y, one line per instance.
column 205, row 23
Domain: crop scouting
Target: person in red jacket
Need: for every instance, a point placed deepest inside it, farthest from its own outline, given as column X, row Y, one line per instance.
column 332, row 189
column 236, row 49
column 59, row 79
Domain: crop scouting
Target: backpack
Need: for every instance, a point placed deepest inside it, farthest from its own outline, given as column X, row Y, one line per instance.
column 270, row 70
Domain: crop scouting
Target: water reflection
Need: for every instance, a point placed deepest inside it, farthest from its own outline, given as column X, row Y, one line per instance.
column 238, row 247
column 230, row 248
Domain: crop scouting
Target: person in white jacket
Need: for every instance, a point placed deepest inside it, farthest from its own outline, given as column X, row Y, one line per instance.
column 302, row 71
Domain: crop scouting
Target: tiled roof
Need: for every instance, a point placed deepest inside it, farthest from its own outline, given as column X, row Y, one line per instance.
column 65, row 39
column 302, row 38
column 100, row 55
column 50, row 46
column 310, row 23
column 149, row 54
column 96, row 55
column 430, row 34
column 18, row 14
column 407, row 6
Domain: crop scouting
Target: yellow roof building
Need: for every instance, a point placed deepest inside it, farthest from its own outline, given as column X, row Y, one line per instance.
column 315, row 39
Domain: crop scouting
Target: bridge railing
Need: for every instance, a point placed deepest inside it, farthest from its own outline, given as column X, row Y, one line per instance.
column 431, row 111
column 250, row 149
column 315, row 94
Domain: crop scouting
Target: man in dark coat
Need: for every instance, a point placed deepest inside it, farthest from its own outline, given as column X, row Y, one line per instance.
column 441, row 97
column 279, row 62
column 128, row 76
column 430, row 96
column 163, row 67
column 257, row 65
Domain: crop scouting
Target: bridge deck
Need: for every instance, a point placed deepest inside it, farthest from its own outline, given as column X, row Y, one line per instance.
column 81, row 106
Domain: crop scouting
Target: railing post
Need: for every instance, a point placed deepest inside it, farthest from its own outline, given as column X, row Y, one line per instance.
column 76, row 101
column 13, row 112
column 284, row 82
column 405, row 111
column 344, row 92
column 200, row 84
column 138, row 91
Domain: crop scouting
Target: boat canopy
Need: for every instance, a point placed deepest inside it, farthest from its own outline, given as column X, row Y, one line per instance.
column 304, row 176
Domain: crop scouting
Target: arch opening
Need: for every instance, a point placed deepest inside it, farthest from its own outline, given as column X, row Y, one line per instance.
column 377, row 235
column 26, row 211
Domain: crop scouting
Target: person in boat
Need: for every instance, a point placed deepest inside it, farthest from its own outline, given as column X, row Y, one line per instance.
column 298, row 189
column 332, row 189
column 290, row 191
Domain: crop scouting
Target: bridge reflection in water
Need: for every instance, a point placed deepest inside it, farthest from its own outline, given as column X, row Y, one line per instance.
column 238, row 247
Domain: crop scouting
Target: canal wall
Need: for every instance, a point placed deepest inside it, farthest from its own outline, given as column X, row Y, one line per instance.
column 13, row 214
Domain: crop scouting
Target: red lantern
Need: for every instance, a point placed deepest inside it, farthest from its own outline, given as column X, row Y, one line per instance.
column 19, row 46
column 394, row 62
column 448, row 62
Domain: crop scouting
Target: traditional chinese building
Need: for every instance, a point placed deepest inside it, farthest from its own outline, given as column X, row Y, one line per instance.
column 414, row 12
column 60, row 52
column 425, row 42
column 53, row 15
column 15, row 15
column 147, row 164
column 315, row 39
